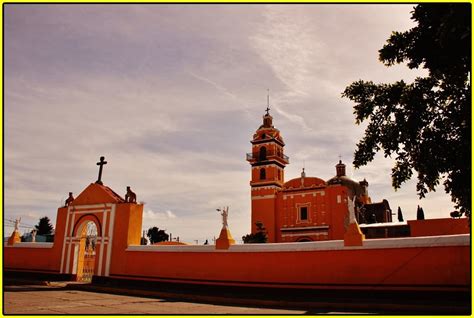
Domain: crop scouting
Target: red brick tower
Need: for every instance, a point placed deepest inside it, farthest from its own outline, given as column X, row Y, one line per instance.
column 268, row 163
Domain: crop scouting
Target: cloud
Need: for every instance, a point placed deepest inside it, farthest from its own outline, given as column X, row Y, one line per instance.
column 283, row 41
column 171, row 96
column 214, row 84
column 149, row 215
column 296, row 119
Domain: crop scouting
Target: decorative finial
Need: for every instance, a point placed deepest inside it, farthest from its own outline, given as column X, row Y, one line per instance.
column 268, row 102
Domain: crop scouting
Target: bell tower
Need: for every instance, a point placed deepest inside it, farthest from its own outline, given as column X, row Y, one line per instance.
column 267, row 176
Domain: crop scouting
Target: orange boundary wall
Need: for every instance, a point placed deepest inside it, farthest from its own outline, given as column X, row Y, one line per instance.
column 31, row 257
column 42, row 257
column 434, row 263
column 426, row 262
column 438, row 227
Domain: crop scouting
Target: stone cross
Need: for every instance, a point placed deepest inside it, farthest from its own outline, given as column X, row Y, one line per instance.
column 101, row 163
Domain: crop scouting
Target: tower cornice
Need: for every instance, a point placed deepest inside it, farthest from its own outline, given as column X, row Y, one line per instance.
column 263, row 141
column 277, row 161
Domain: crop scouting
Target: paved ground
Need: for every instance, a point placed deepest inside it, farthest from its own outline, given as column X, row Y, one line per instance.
column 40, row 297
column 33, row 299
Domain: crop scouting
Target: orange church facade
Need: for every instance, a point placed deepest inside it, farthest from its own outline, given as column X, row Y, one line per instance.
column 304, row 208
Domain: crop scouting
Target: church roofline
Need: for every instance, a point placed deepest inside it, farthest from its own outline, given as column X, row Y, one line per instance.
column 321, row 187
column 265, row 184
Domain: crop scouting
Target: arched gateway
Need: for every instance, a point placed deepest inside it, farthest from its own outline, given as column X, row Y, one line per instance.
column 84, row 252
column 84, row 212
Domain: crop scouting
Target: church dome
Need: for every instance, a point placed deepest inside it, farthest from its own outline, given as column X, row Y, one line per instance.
column 305, row 182
column 352, row 185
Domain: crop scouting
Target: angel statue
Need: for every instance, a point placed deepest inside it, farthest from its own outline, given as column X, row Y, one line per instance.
column 224, row 214
column 17, row 224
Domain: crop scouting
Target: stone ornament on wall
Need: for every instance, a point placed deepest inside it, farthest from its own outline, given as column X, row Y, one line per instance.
column 130, row 196
column 69, row 199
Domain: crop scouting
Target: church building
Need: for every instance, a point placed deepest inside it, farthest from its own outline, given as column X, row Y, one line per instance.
column 304, row 208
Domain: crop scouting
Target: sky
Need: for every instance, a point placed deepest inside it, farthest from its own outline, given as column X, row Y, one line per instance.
column 171, row 96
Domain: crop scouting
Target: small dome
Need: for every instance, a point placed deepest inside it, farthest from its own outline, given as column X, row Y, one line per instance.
column 352, row 185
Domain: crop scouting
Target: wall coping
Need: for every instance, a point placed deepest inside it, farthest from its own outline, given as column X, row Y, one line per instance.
column 399, row 242
column 388, row 224
column 31, row 245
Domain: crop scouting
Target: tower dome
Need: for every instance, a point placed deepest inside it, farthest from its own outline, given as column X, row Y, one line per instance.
column 340, row 178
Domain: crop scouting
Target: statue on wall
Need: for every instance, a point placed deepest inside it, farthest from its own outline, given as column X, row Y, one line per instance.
column 33, row 235
column 17, row 224
column 225, row 215
column 130, row 196
column 69, row 200
column 351, row 206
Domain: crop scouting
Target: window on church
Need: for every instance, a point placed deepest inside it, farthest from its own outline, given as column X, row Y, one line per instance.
column 304, row 213
column 279, row 175
column 263, row 153
column 264, row 136
column 263, row 174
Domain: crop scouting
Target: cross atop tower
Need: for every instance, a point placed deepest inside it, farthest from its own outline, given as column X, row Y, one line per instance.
column 268, row 102
column 101, row 163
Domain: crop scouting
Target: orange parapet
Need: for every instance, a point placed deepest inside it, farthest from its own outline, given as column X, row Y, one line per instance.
column 225, row 239
column 353, row 235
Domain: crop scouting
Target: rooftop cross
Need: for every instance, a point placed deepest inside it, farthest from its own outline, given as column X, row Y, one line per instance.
column 268, row 102
column 101, row 163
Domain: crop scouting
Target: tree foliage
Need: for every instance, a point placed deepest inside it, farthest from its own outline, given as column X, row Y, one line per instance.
column 260, row 236
column 44, row 226
column 426, row 124
column 400, row 215
column 420, row 214
column 156, row 235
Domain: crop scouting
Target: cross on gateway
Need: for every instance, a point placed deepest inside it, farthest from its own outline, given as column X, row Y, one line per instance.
column 101, row 163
